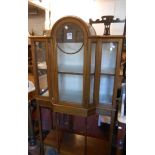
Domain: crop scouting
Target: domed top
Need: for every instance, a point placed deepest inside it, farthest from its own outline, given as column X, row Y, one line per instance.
column 72, row 24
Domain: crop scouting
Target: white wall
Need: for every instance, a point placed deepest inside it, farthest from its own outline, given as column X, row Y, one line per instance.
column 44, row 4
column 36, row 23
column 86, row 9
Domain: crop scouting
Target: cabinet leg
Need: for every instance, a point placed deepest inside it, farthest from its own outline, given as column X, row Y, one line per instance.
column 111, row 132
column 32, row 140
column 57, row 132
column 40, row 130
column 51, row 112
column 71, row 123
column 85, row 149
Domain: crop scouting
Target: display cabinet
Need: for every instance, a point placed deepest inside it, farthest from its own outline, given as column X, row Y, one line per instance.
column 74, row 74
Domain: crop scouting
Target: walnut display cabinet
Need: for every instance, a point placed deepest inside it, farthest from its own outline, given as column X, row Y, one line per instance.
column 76, row 73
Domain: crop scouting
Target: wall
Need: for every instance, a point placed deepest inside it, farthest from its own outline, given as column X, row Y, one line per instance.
column 36, row 23
column 45, row 5
column 86, row 9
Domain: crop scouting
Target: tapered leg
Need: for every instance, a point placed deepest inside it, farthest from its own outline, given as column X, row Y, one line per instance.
column 71, row 123
column 85, row 148
column 32, row 140
column 111, row 132
column 40, row 130
column 51, row 112
column 57, row 132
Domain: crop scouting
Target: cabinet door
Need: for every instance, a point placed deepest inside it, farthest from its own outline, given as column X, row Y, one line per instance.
column 70, row 62
column 41, row 67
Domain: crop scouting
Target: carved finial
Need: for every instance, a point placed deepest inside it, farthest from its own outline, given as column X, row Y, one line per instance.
column 107, row 20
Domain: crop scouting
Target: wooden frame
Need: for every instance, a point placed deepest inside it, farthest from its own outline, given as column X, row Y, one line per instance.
column 107, row 20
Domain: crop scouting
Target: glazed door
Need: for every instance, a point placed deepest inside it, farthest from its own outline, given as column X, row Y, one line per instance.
column 70, row 63
column 109, row 59
column 41, row 69
column 107, row 73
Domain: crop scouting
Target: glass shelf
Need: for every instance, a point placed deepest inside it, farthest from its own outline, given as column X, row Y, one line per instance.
column 108, row 71
column 66, row 69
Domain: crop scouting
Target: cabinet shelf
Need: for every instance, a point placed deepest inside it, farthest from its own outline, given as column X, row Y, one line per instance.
column 73, row 73
column 108, row 71
column 77, row 70
column 64, row 69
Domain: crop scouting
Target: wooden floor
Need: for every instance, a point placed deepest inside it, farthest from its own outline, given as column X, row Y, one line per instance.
column 73, row 144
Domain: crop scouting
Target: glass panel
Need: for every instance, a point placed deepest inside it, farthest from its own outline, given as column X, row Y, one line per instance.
column 40, row 50
column 69, row 33
column 106, row 89
column 91, row 88
column 92, row 30
column 70, row 49
column 108, row 62
column 70, row 88
column 93, row 49
column 70, row 62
